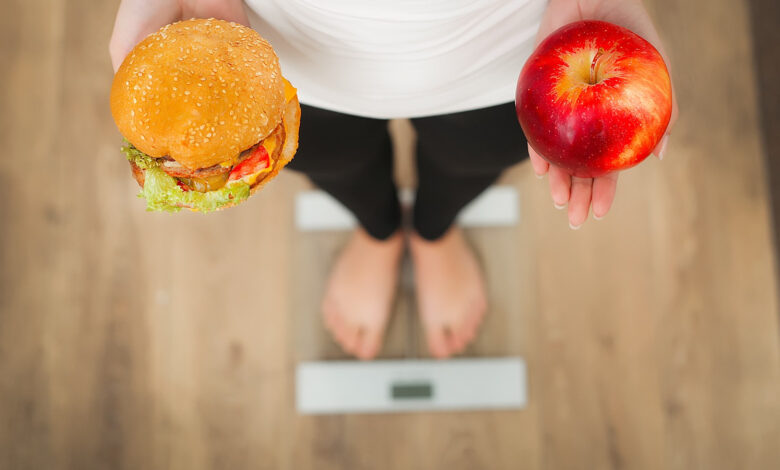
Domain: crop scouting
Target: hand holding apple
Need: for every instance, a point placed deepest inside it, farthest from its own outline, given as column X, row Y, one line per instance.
column 594, row 98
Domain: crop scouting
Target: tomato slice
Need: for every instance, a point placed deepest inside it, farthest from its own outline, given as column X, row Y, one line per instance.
column 254, row 163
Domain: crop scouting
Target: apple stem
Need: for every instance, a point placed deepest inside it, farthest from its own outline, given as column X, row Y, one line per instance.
column 594, row 64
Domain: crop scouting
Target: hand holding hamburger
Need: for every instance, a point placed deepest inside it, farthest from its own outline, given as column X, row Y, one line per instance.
column 207, row 114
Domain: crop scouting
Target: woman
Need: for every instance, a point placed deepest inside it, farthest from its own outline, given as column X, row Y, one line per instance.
column 450, row 66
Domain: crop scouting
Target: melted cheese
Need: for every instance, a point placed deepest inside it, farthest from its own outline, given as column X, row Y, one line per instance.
column 270, row 145
column 250, row 179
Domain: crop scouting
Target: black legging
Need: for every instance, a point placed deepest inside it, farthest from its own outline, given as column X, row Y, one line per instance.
column 458, row 156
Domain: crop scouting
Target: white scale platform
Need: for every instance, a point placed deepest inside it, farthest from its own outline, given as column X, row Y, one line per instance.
column 382, row 386
column 495, row 207
column 330, row 387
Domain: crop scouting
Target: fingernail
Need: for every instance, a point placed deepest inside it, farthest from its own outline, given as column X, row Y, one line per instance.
column 662, row 150
column 538, row 176
column 595, row 217
column 559, row 206
column 574, row 227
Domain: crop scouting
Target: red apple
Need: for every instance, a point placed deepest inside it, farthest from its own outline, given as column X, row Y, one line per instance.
column 594, row 98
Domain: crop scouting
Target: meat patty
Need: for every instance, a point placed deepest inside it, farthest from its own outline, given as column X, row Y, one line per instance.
column 174, row 168
column 278, row 133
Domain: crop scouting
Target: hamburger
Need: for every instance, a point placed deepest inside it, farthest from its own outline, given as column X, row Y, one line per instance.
column 207, row 117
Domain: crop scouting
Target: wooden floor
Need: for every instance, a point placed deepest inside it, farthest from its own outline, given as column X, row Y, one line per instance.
column 766, row 18
column 131, row 340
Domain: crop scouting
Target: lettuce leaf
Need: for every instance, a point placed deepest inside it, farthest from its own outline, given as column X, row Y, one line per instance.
column 136, row 156
column 163, row 194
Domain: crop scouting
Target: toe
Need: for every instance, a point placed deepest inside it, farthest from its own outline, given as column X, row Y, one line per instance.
column 437, row 342
column 345, row 334
column 332, row 321
column 467, row 330
column 330, row 314
column 350, row 335
column 455, row 340
column 476, row 314
column 367, row 346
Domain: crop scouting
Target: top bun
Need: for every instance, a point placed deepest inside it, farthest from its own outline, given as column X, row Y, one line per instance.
column 199, row 91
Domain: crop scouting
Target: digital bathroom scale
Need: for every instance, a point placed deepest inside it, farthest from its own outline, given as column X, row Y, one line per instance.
column 336, row 387
column 341, row 386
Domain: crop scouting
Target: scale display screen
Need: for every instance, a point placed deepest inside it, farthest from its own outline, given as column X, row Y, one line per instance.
column 412, row 391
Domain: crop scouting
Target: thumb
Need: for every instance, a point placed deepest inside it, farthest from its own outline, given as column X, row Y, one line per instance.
column 228, row 10
column 135, row 20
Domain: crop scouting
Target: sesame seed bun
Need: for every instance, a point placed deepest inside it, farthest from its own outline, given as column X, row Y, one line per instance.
column 198, row 91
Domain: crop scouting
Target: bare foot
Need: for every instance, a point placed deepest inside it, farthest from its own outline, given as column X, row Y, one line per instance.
column 360, row 292
column 450, row 291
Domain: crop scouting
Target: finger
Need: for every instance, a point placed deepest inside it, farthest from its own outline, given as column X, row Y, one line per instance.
column 538, row 163
column 557, row 14
column 675, row 112
column 228, row 10
column 660, row 150
column 560, row 186
column 579, row 203
column 135, row 20
column 604, row 188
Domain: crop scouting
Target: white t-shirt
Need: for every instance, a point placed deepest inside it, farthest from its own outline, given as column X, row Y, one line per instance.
column 400, row 58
